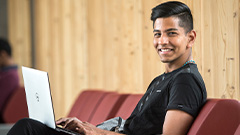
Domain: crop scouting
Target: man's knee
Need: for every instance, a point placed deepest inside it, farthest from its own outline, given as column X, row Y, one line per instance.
column 25, row 121
column 20, row 127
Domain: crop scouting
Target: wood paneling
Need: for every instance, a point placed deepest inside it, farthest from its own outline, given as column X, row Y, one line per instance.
column 61, row 46
column 219, row 47
column 19, row 30
column 115, row 45
column 107, row 44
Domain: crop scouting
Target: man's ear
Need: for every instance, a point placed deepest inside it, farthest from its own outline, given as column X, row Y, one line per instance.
column 191, row 38
column 3, row 54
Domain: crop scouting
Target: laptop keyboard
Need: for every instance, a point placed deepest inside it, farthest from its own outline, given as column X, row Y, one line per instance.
column 70, row 132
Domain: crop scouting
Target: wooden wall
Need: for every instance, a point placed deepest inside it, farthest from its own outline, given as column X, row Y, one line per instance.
column 19, row 30
column 107, row 44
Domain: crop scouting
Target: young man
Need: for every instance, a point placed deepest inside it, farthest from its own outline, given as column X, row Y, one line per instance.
column 9, row 79
column 174, row 98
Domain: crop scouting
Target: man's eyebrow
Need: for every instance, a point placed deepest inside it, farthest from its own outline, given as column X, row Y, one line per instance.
column 156, row 30
column 171, row 29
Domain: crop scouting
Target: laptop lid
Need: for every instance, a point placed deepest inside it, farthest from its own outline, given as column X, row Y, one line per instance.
column 38, row 95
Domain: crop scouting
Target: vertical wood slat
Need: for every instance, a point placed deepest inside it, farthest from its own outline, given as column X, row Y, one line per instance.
column 95, row 42
column 218, row 43
column 107, row 44
column 56, row 57
column 61, row 47
column 130, row 46
column 80, row 68
column 230, row 39
column 111, row 45
column 19, row 32
column 67, row 55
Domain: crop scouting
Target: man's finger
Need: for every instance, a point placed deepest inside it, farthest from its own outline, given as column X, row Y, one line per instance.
column 61, row 121
column 67, row 122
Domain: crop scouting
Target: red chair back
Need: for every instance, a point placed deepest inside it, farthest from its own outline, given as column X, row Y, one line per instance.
column 128, row 106
column 217, row 117
column 86, row 104
column 238, row 130
column 107, row 108
column 16, row 108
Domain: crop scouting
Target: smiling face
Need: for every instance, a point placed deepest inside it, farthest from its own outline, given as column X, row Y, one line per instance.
column 171, row 42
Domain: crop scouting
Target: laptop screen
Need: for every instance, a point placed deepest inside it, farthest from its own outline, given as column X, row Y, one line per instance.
column 38, row 95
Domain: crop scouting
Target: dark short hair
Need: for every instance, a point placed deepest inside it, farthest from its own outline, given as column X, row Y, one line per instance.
column 174, row 9
column 5, row 46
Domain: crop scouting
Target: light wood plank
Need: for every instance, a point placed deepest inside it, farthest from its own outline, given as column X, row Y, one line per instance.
column 20, row 33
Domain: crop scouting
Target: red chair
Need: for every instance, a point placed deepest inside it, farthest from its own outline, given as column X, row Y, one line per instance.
column 107, row 108
column 217, row 117
column 128, row 106
column 86, row 104
column 237, row 131
column 16, row 108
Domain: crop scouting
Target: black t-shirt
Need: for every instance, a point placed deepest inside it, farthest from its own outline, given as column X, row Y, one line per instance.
column 182, row 89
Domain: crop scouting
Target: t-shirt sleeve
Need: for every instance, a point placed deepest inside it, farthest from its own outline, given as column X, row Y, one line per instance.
column 185, row 94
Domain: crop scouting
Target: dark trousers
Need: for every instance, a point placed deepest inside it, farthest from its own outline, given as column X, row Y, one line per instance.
column 28, row 126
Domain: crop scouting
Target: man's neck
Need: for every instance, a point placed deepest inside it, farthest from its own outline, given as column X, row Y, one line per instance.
column 8, row 62
column 169, row 67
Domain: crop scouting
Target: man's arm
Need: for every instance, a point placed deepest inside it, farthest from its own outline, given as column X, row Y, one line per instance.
column 84, row 128
column 177, row 122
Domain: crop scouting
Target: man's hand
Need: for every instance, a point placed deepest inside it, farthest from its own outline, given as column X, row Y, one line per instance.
column 85, row 128
column 70, row 123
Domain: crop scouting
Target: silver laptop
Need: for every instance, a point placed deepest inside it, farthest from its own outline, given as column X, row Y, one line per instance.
column 39, row 99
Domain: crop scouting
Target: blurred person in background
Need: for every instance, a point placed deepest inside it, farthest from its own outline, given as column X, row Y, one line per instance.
column 9, row 79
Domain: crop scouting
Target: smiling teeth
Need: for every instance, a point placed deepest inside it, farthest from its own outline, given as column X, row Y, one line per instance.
column 165, row 50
